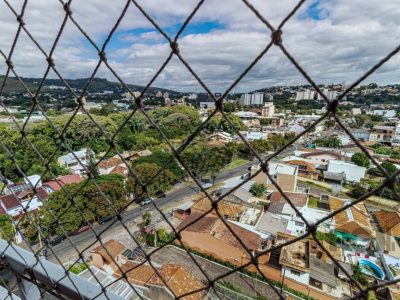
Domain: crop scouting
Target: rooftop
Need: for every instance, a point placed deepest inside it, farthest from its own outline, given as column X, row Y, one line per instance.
column 180, row 280
column 297, row 199
column 271, row 224
column 114, row 248
column 388, row 221
column 295, row 255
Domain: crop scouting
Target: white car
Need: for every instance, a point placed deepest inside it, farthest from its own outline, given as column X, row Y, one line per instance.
column 146, row 201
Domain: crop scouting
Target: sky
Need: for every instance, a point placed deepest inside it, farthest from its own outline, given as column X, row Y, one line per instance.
column 333, row 40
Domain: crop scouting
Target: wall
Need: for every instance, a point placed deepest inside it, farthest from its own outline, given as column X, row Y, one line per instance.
column 302, row 278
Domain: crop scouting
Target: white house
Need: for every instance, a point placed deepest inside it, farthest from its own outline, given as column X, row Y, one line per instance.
column 14, row 204
column 352, row 172
column 76, row 161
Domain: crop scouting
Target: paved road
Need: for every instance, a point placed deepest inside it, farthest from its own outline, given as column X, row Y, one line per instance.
column 175, row 195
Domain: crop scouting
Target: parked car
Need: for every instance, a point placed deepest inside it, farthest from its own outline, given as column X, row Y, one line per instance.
column 56, row 240
column 146, row 201
column 105, row 219
column 82, row 229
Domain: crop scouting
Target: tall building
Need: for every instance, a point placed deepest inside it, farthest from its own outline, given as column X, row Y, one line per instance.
column 252, row 99
column 330, row 94
column 268, row 110
column 307, row 94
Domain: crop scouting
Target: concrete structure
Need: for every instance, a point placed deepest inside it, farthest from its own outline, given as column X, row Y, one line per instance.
column 330, row 94
column 385, row 113
column 307, row 94
column 268, row 110
column 285, row 175
column 352, row 172
column 252, row 99
column 382, row 134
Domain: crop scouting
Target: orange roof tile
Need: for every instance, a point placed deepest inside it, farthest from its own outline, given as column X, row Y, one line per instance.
column 137, row 274
column 225, row 208
column 298, row 199
column 114, row 248
column 214, row 226
column 179, row 280
column 388, row 221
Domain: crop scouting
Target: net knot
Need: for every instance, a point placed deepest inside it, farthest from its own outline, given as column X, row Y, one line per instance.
column 277, row 37
column 174, row 47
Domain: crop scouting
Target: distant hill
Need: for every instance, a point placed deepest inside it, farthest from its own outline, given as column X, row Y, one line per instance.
column 97, row 85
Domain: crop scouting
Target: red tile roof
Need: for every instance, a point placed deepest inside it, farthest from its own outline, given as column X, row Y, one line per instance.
column 13, row 200
column 298, row 199
column 55, row 184
column 180, row 280
column 212, row 225
column 114, row 248
column 389, row 221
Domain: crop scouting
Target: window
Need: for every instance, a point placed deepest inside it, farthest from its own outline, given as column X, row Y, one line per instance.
column 294, row 272
column 302, row 167
column 315, row 283
column 298, row 223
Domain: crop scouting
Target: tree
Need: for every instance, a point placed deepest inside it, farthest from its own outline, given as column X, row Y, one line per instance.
column 358, row 190
column 162, row 159
column 157, row 180
column 7, row 230
column 329, row 142
column 389, row 167
column 258, row 189
column 361, row 159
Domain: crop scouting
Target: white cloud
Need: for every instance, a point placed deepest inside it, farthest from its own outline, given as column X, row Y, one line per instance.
column 350, row 38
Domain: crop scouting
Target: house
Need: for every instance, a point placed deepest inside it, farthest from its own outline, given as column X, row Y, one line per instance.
column 285, row 175
column 104, row 257
column 77, row 161
column 56, row 184
column 352, row 225
column 305, row 168
column 300, row 265
column 15, row 205
column 322, row 275
column 387, row 244
column 113, row 165
column 211, row 236
column 279, row 205
column 389, row 222
column 294, row 259
column 271, row 224
column 382, row 134
column 221, row 136
column 179, row 279
column 352, row 172
column 111, row 257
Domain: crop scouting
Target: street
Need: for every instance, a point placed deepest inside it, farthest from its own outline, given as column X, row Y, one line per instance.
column 88, row 238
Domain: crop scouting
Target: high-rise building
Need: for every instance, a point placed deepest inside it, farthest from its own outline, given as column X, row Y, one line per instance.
column 252, row 99
column 307, row 94
column 330, row 94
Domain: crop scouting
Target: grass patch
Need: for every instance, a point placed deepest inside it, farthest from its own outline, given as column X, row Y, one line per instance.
column 235, row 163
column 312, row 202
column 394, row 273
column 78, row 268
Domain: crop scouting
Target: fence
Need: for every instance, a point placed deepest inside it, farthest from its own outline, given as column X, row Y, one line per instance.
column 60, row 282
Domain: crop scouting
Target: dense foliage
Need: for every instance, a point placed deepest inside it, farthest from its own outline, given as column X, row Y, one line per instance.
column 360, row 159
column 88, row 202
